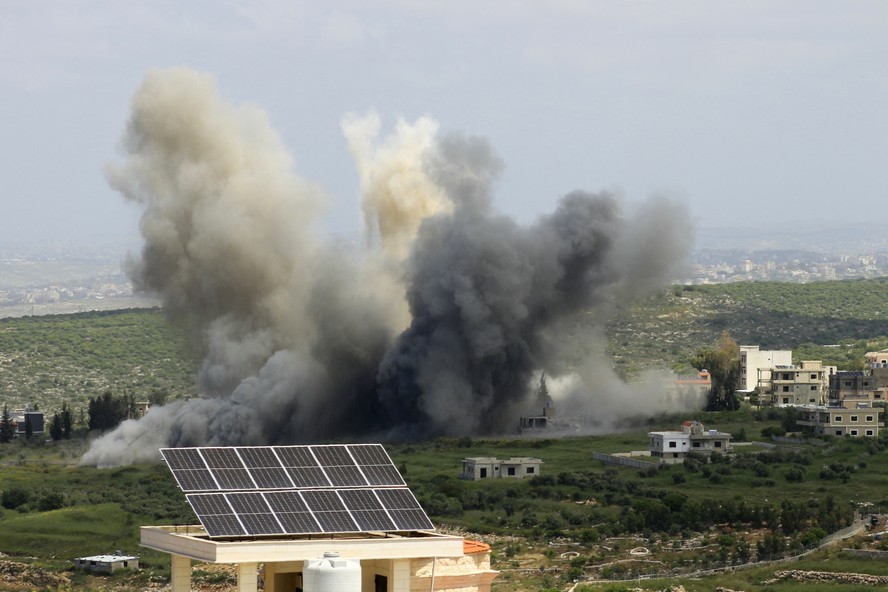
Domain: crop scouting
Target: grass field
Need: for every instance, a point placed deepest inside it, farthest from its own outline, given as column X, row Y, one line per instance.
column 529, row 522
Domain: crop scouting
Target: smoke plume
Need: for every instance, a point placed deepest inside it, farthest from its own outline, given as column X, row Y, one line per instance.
column 442, row 331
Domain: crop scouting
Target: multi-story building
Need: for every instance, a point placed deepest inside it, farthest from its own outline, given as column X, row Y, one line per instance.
column 860, row 421
column 756, row 364
column 877, row 362
column 853, row 387
column 805, row 384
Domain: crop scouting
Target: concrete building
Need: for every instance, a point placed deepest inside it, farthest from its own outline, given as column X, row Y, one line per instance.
column 674, row 446
column 483, row 467
column 21, row 419
column 805, row 384
column 404, row 562
column 107, row 563
column 854, row 387
column 861, row 421
column 669, row 447
column 537, row 423
column 756, row 364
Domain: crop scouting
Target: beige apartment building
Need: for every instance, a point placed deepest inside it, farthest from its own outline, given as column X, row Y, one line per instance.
column 841, row 421
column 805, row 384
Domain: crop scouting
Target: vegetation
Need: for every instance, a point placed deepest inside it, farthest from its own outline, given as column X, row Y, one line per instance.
column 47, row 360
column 86, row 370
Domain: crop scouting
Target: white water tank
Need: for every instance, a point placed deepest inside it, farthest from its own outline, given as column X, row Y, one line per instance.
column 331, row 574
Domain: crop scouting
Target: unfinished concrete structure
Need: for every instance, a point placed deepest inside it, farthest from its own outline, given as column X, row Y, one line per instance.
column 486, row 467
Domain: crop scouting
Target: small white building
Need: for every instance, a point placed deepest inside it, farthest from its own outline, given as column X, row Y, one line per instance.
column 107, row 563
column 485, row 467
column 673, row 446
column 669, row 446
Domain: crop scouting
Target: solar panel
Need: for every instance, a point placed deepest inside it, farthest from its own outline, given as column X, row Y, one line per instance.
column 302, row 467
column 375, row 464
column 189, row 469
column 292, row 490
column 215, row 514
column 366, row 509
column 339, row 466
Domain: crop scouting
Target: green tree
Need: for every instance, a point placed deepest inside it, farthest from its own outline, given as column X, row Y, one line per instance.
column 106, row 411
column 723, row 364
column 67, row 421
column 7, row 428
column 55, row 427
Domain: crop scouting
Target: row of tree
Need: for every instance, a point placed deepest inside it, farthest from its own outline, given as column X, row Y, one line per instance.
column 104, row 412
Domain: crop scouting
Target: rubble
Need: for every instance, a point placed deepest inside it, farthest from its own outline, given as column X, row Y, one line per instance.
column 828, row 576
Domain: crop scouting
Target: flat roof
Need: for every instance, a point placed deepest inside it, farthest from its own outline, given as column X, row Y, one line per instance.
column 108, row 558
column 193, row 542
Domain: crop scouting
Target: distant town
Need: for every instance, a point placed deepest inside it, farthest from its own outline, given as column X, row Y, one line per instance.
column 57, row 278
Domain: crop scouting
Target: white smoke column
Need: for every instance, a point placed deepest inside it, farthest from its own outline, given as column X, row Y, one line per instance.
column 291, row 329
column 397, row 193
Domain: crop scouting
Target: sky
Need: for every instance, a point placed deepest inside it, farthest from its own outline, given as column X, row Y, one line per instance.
column 750, row 112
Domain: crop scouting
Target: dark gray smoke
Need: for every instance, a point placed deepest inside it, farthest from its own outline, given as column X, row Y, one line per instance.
column 303, row 342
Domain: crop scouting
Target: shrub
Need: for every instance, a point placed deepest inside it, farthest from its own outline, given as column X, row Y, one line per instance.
column 51, row 501
column 14, row 497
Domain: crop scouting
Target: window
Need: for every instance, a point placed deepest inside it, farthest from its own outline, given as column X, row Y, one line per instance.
column 531, row 470
column 847, row 383
column 696, row 445
column 785, row 388
column 813, row 387
column 718, row 444
column 511, row 471
column 785, row 376
column 838, row 418
column 869, row 432
column 380, row 583
column 838, row 432
column 853, row 432
column 672, row 444
column 813, row 376
column 869, row 418
column 854, row 418
column 785, row 400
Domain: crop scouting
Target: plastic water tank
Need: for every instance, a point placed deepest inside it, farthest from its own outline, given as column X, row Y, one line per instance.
column 331, row 574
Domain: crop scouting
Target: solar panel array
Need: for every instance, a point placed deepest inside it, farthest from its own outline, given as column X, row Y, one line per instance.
column 278, row 490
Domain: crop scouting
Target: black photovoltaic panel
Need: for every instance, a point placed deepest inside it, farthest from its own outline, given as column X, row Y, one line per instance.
column 302, row 467
column 376, row 465
column 339, row 466
column 215, row 514
column 274, row 490
column 189, row 469
column 404, row 509
column 265, row 468
column 366, row 509
column 183, row 458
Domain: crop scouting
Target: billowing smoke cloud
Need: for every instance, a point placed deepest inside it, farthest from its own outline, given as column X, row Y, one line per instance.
column 303, row 342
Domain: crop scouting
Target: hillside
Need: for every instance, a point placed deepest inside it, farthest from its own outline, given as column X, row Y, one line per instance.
column 810, row 319
column 45, row 359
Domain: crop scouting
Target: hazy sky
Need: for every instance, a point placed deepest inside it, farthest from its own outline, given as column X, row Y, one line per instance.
column 746, row 110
